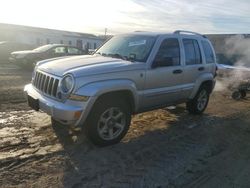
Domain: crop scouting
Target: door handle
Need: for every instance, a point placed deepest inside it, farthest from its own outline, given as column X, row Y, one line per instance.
column 178, row 71
column 201, row 69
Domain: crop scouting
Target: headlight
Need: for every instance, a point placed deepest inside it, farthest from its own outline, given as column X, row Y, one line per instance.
column 67, row 83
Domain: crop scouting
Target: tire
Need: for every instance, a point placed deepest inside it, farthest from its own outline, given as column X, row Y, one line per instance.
column 236, row 95
column 199, row 103
column 108, row 122
column 243, row 94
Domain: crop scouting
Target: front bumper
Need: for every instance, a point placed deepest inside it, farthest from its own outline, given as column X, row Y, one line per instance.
column 69, row 113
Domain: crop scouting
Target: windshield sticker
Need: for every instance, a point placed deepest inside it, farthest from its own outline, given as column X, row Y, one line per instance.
column 137, row 43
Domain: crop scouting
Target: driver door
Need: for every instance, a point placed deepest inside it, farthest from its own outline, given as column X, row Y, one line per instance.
column 164, row 80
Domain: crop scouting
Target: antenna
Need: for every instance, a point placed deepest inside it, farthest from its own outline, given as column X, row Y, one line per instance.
column 105, row 32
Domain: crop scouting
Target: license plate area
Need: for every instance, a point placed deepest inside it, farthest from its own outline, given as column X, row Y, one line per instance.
column 33, row 103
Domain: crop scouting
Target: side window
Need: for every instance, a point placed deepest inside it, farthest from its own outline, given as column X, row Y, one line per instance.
column 168, row 54
column 208, row 52
column 60, row 50
column 192, row 52
column 73, row 50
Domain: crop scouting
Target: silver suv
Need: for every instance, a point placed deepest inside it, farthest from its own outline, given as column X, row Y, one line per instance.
column 129, row 74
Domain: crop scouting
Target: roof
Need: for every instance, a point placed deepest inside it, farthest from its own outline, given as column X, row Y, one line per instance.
column 178, row 32
column 149, row 33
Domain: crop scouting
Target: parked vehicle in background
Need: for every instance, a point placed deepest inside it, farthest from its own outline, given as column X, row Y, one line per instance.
column 129, row 74
column 236, row 79
column 240, row 91
column 28, row 58
column 6, row 47
column 91, row 51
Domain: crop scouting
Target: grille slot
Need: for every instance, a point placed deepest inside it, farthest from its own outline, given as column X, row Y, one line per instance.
column 46, row 83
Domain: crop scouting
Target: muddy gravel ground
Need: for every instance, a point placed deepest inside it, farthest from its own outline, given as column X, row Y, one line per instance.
column 164, row 148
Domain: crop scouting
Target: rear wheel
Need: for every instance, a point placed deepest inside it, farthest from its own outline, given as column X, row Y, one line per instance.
column 108, row 121
column 199, row 103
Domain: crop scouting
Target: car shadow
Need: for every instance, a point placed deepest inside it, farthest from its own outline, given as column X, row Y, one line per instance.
column 128, row 163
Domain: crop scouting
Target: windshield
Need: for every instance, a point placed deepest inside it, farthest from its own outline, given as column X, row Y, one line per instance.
column 43, row 48
column 128, row 47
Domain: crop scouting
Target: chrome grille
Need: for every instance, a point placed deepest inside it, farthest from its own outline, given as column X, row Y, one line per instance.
column 46, row 83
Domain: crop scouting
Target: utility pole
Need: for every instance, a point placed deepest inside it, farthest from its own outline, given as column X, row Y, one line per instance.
column 105, row 31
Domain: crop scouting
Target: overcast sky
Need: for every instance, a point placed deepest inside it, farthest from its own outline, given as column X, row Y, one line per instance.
column 119, row 16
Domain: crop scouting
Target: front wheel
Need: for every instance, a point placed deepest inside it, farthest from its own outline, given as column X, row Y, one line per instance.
column 108, row 122
column 199, row 103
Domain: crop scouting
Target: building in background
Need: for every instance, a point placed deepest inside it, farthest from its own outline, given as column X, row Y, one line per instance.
column 34, row 37
column 24, row 37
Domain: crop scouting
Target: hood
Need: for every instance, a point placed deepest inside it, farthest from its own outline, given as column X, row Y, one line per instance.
column 23, row 52
column 86, row 65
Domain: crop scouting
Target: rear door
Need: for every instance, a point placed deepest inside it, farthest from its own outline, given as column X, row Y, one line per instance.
column 164, row 79
column 194, row 65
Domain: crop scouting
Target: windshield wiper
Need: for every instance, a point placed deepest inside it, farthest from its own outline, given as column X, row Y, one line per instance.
column 121, row 57
column 117, row 56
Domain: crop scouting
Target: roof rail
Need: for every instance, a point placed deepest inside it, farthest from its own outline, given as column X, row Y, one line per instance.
column 190, row 32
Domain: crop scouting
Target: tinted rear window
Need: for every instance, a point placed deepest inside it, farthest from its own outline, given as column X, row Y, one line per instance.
column 192, row 52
